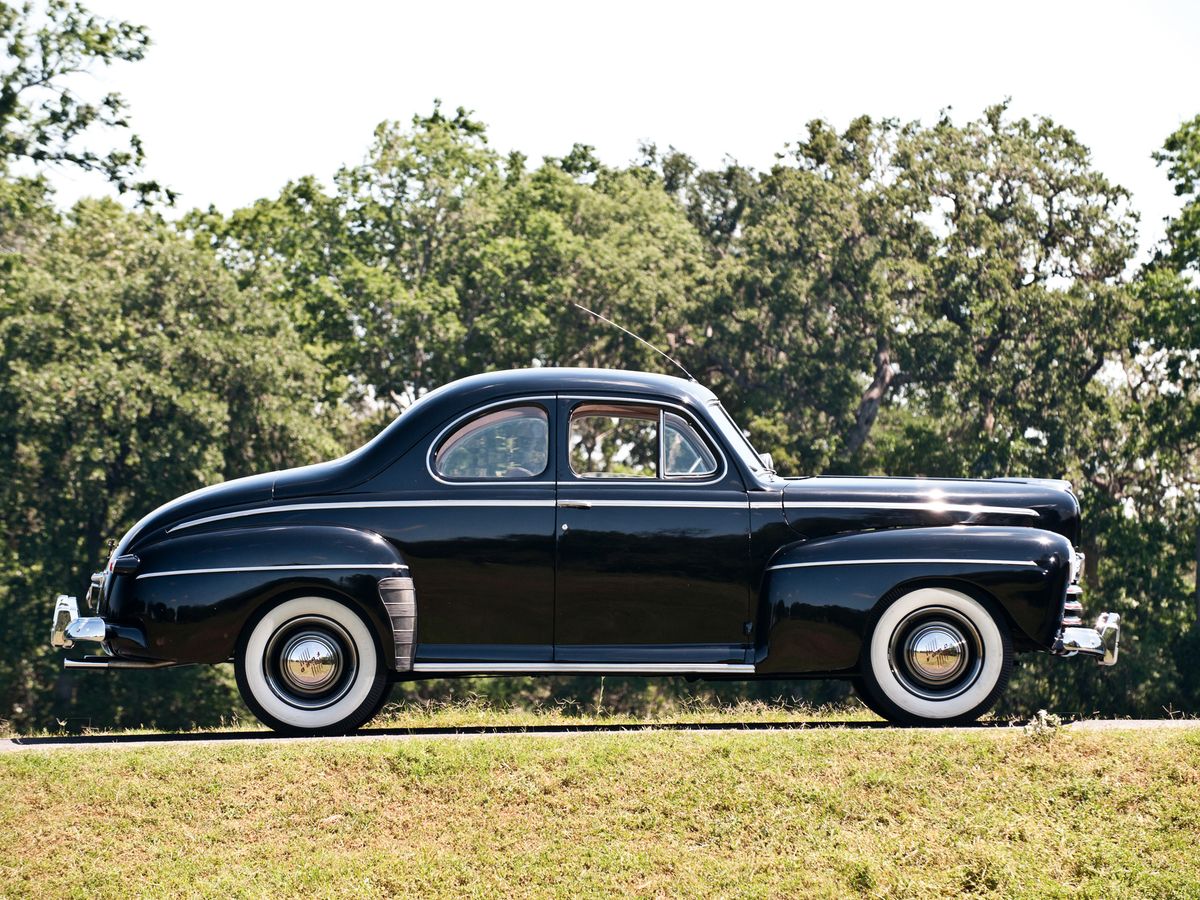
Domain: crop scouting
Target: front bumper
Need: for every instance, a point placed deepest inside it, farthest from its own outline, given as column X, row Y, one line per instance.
column 67, row 627
column 1100, row 641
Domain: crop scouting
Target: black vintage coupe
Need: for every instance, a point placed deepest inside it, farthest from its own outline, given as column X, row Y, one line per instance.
column 550, row 521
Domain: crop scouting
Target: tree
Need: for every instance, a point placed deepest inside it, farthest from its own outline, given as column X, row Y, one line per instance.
column 44, row 120
column 134, row 370
column 820, row 276
column 715, row 200
column 575, row 232
column 946, row 300
column 1025, row 299
column 365, row 272
column 1181, row 154
column 434, row 259
column 915, row 293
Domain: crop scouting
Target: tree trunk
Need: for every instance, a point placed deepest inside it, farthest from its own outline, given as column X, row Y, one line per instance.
column 868, row 407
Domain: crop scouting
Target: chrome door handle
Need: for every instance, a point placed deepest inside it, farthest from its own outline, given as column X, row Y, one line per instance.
column 574, row 504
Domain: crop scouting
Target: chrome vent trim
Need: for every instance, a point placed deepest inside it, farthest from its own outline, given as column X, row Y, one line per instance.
column 400, row 600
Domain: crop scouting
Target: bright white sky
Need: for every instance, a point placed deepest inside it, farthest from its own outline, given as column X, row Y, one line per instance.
column 236, row 98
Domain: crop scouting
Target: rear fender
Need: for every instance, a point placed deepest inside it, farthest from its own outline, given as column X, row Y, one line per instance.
column 821, row 597
column 191, row 596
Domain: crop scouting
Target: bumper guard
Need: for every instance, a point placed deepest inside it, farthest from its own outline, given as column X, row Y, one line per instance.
column 68, row 626
column 1101, row 640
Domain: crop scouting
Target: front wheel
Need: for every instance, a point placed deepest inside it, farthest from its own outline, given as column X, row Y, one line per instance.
column 936, row 657
column 311, row 666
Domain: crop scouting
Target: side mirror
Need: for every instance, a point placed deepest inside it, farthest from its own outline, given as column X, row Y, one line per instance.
column 765, row 459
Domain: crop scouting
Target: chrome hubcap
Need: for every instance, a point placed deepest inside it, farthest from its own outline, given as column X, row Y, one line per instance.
column 936, row 652
column 310, row 662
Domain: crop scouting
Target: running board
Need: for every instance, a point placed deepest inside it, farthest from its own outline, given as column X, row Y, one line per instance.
column 570, row 668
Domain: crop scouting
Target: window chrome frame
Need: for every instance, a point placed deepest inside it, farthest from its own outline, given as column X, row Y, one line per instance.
column 662, row 447
column 547, row 404
column 589, row 477
column 677, row 481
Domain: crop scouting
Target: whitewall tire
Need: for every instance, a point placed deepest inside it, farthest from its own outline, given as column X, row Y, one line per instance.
column 311, row 665
column 936, row 656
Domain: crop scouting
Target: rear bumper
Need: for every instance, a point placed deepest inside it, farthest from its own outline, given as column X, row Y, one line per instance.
column 67, row 628
column 1100, row 641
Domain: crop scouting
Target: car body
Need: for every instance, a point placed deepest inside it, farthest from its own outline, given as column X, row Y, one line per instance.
column 555, row 520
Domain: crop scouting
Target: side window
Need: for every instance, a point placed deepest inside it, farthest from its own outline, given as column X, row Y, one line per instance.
column 506, row 443
column 614, row 441
column 619, row 441
column 684, row 451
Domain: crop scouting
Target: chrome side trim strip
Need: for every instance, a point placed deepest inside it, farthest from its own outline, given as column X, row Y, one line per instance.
column 399, row 504
column 884, row 562
column 115, row 663
column 647, row 668
column 686, row 504
column 390, row 568
column 361, row 504
column 930, row 506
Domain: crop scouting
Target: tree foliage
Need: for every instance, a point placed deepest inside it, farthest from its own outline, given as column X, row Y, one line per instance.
column 44, row 118
column 133, row 370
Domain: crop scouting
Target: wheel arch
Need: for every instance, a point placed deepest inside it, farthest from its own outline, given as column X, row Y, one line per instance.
column 279, row 593
column 964, row 586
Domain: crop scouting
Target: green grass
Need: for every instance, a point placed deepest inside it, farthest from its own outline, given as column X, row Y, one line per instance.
column 475, row 712
column 815, row 812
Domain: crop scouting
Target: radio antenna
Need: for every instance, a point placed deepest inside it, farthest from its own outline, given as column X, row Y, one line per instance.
column 669, row 359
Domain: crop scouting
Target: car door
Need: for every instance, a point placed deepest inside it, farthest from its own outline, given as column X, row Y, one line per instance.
column 653, row 548
column 482, row 547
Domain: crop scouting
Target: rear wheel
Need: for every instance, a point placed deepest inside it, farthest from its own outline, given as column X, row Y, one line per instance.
column 936, row 657
column 311, row 666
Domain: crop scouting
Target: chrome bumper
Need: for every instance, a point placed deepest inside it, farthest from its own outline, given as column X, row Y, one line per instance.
column 1101, row 640
column 68, row 626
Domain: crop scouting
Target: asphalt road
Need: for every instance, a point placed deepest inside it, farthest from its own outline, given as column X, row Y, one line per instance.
column 130, row 742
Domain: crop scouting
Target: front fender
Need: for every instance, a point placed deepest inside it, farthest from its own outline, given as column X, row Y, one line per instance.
column 191, row 596
column 821, row 597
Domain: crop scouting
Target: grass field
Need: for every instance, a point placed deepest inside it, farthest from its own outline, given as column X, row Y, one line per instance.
column 797, row 813
column 475, row 712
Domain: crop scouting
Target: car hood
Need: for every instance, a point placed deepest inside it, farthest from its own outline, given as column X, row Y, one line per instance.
column 817, row 507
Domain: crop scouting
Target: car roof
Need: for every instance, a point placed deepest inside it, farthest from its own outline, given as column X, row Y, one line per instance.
column 565, row 379
column 434, row 409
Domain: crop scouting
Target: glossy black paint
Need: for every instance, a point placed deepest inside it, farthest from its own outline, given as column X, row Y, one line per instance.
column 646, row 582
column 930, row 503
column 198, row 615
column 823, row 594
column 562, row 569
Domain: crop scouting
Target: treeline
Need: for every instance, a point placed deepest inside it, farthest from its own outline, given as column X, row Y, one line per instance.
column 954, row 299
